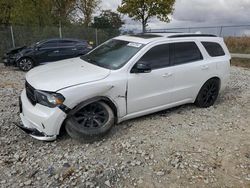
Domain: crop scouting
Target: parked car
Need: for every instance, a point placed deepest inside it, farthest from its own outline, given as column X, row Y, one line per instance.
column 124, row 78
column 48, row 51
column 9, row 58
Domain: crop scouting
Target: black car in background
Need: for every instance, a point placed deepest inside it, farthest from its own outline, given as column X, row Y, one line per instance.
column 10, row 56
column 46, row 51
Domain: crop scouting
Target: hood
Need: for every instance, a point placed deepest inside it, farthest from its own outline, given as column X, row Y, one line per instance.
column 27, row 50
column 58, row 75
column 15, row 50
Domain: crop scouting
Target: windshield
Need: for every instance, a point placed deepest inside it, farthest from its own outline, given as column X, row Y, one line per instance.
column 37, row 44
column 113, row 54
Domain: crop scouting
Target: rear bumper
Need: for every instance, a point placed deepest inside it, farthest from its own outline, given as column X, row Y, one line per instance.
column 39, row 121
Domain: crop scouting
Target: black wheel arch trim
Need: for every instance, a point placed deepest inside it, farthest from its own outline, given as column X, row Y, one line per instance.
column 64, row 108
column 95, row 99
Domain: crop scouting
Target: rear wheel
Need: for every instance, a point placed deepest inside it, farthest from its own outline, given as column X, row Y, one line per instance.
column 91, row 122
column 208, row 93
column 25, row 64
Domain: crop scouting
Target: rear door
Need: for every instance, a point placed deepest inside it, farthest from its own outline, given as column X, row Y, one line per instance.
column 189, row 68
column 67, row 49
column 82, row 48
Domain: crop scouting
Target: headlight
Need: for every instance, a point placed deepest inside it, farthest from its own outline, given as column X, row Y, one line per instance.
column 49, row 99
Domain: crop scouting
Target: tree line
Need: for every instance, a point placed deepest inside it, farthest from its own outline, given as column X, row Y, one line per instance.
column 47, row 12
column 67, row 12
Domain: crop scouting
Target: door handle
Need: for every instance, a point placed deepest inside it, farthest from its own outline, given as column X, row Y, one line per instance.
column 166, row 75
column 74, row 49
column 56, row 51
column 204, row 67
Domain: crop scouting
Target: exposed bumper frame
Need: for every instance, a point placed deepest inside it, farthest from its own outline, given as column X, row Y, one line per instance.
column 35, row 133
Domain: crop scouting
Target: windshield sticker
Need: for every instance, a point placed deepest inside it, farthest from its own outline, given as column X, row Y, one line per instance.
column 136, row 45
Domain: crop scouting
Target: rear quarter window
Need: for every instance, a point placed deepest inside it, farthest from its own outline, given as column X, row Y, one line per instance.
column 214, row 49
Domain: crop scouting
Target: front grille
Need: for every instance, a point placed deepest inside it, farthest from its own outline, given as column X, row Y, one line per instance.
column 30, row 92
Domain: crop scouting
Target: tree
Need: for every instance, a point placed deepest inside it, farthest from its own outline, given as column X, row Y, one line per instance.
column 108, row 19
column 87, row 8
column 31, row 12
column 36, row 12
column 143, row 10
column 62, row 9
column 6, row 7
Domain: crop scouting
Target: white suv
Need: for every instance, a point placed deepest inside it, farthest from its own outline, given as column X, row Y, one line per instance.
column 124, row 78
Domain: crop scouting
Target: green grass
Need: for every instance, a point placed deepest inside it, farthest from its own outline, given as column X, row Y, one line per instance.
column 241, row 62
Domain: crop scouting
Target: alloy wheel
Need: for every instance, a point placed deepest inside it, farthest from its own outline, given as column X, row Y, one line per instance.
column 26, row 64
column 93, row 116
column 209, row 94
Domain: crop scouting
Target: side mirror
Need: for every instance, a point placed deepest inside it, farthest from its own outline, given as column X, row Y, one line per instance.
column 141, row 67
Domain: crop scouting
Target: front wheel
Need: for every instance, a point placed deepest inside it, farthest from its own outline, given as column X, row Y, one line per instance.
column 208, row 93
column 91, row 122
column 25, row 64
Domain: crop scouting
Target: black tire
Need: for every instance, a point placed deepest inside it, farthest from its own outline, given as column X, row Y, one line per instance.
column 25, row 64
column 208, row 93
column 91, row 122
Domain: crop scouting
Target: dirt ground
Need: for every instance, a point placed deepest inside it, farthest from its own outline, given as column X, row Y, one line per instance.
column 181, row 147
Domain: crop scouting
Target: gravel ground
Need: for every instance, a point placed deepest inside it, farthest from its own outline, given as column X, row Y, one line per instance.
column 181, row 147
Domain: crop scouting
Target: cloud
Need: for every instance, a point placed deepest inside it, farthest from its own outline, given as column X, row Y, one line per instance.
column 110, row 4
column 213, row 11
column 190, row 13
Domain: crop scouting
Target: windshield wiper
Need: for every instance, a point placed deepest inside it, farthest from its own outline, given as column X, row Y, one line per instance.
column 92, row 61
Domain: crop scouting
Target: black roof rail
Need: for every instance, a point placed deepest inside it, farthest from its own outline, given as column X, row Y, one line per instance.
column 161, row 32
column 192, row 35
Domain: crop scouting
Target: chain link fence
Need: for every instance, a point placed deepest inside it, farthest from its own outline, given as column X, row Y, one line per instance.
column 222, row 31
column 17, row 35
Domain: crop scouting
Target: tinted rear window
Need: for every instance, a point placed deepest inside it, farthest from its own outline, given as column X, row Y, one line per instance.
column 214, row 49
column 185, row 52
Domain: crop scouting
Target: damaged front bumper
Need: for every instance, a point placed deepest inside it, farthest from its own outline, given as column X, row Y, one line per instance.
column 40, row 122
column 35, row 133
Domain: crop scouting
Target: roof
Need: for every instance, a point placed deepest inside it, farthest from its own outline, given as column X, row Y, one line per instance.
column 146, row 38
column 59, row 39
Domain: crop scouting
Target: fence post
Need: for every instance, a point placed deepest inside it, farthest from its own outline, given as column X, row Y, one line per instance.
column 96, row 37
column 60, row 29
column 221, row 29
column 12, row 37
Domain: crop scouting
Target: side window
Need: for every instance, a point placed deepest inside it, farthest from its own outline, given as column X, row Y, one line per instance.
column 49, row 44
column 214, row 49
column 157, row 57
column 185, row 52
column 66, row 43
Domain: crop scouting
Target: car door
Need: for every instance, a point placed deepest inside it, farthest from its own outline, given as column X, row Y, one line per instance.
column 189, row 70
column 82, row 48
column 47, row 51
column 152, row 89
column 67, row 49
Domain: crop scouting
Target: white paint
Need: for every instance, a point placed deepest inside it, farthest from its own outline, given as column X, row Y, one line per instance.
column 160, row 89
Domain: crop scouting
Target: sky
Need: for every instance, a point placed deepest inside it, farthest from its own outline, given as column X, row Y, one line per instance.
column 191, row 13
